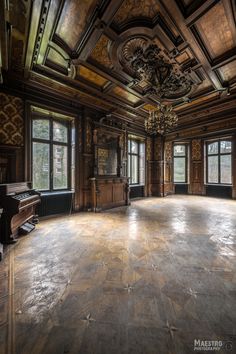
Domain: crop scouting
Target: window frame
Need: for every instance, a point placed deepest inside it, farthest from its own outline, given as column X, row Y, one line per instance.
column 181, row 157
column 51, row 142
column 219, row 154
column 130, row 154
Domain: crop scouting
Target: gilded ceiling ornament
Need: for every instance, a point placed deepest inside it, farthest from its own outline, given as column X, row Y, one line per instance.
column 161, row 120
column 150, row 64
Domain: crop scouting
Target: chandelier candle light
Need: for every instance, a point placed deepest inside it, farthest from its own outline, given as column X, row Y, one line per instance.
column 161, row 120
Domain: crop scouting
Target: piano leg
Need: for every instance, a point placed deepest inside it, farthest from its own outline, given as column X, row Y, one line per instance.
column 6, row 236
column 35, row 219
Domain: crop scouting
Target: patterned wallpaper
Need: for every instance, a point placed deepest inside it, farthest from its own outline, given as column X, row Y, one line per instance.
column 11, row 120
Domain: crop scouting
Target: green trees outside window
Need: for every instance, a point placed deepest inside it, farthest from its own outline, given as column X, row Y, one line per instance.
column 51, row 149
column 180, row 163
column 219, row 162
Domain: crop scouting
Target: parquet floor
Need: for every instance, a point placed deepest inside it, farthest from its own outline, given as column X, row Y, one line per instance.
column 149, row 278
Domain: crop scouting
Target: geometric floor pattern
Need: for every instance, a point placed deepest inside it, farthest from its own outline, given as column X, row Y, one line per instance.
column 149, row 278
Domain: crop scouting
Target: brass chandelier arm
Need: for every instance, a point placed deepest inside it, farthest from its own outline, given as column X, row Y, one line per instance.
column 161, row 121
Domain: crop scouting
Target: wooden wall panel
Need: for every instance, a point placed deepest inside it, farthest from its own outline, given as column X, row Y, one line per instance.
column 109, row 192
column 196, row 167
column 168, row 169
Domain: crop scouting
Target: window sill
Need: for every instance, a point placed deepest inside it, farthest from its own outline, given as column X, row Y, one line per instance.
column 136, row 185
column 218, row 185
column 57, row 193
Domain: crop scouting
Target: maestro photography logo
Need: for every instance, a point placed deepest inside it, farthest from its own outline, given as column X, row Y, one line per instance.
column 212, row 345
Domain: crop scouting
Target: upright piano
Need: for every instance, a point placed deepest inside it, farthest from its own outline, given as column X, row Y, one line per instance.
column 18, row 202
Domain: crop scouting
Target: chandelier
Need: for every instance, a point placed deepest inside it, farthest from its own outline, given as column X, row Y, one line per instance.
column 161, row 120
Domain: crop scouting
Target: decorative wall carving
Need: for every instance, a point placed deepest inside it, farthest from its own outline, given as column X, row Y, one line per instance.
column 88, row 132
column 149, row 149
column 168, row 152
column 196, row 149
column 12, row 121
column 168, row 168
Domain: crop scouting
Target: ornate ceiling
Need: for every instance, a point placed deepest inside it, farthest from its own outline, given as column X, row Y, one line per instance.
column 93, row 52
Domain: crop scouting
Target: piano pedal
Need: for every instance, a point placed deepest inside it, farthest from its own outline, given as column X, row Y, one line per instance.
column 35, row 220
column 26, row 228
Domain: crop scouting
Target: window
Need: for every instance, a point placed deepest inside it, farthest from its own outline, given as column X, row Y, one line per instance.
column 136, row 161
column 219, row 162
column 51, row 154
column 180, row 163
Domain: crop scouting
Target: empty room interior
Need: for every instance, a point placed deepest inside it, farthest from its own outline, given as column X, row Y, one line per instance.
column 117, row 176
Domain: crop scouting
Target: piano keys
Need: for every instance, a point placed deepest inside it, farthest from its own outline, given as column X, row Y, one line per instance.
column 18, row 201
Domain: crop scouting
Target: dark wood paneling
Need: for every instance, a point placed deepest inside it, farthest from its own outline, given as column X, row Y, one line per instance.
column 136, row 191
column 55, row 203
column 109, row 192
column 219, row 191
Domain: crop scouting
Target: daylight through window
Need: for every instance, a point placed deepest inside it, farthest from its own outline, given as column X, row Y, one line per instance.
column 180, row 163
column 136, row 161
column 51, row 154
column 219, row 162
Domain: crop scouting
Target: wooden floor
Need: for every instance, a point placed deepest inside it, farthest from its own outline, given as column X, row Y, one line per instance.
column 149, row 278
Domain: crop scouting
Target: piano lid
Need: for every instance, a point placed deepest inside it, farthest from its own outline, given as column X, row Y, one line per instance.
column 14, row 188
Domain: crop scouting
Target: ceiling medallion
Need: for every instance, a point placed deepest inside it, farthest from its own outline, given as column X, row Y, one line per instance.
column 151, row 64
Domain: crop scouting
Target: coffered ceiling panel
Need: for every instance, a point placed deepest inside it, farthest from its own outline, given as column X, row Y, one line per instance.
column 215, row 30
column 115, row 54
column 228, row 71
column 135, row 9
column 202, row 99
column 148, row 107
column 182, row 58
column 206, row 84
column 100, row 52
column 91, row 76
column 125, row 94
column 73, row 20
